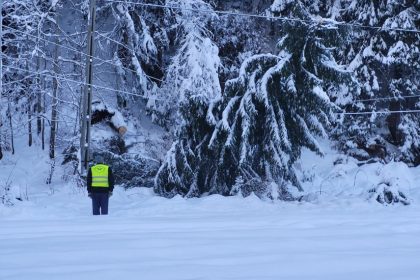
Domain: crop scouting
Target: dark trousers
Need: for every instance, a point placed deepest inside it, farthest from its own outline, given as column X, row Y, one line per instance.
column 100, row 203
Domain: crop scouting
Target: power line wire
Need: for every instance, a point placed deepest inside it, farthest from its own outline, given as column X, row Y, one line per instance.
column 204, row 11
column 239, row 14
column 115, row 41
column 133, row 94
column 355, row 101
column 200, row 10
column 137, row 95
column 154, row 78
column 80, row 52
column 322, row 20
column 78, row 82
column 387, row 98
column 128, row 48
column 208, row 11
column 37, row 73
column 379, row 112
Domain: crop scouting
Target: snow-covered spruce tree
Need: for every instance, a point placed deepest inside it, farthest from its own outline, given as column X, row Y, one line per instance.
column 187, row 164
column 238, row 38
column 194, row 68
column 386, row 63
column 190, row 88
column 276, row 106
column 270, row 112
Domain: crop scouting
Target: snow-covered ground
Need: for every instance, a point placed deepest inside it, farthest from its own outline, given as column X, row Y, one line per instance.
column 147, row 237
column 339, row 233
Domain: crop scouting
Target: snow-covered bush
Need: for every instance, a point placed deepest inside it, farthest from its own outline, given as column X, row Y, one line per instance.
column 389, row 192
column 5, row 196
column 393, row 184
column 130, row 170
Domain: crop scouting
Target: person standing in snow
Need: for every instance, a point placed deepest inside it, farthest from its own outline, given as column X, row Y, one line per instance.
column 100, row 185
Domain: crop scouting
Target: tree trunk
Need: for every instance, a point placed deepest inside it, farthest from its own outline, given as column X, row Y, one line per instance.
column 1, row 131
column 9, row 116
column 394, row 120
column 43, row 125
column 1, row 120
column 54, row 112
column 43, row 106
column 30, row 121
column 38, row 99
column 53, row 130
column 29, row 109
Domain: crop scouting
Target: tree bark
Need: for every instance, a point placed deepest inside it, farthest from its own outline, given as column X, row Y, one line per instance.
column 9, row 116
column 29, row 109
column 30, row 121
column 38, row 99
column 43, row 106
column 1, row 130
column 54, row 112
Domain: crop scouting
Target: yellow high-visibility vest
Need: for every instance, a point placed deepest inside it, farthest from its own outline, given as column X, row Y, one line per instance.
column 100, row 176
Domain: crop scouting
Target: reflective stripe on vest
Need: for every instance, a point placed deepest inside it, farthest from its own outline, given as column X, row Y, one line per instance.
column 100, row 176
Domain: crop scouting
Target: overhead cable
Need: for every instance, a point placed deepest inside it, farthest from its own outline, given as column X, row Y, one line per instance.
column 316, row 21
column 379, row 112
column 78, row 82
column 80, row 52
column 387, row 98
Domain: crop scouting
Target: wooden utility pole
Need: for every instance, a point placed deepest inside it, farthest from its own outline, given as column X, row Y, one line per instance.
column 87, row 97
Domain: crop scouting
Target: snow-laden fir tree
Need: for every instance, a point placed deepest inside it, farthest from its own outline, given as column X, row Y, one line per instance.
column 238, row 38
column 276, row 106
column 194, row 68
column 185, row 169
column 189, row 89
column 386, row 63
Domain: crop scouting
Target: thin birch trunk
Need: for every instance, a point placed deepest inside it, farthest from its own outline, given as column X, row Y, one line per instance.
column 29, row 110
column 54, row 112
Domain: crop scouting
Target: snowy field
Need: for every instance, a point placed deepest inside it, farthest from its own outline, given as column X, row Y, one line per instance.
column 339, row 233
column 147, row 237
